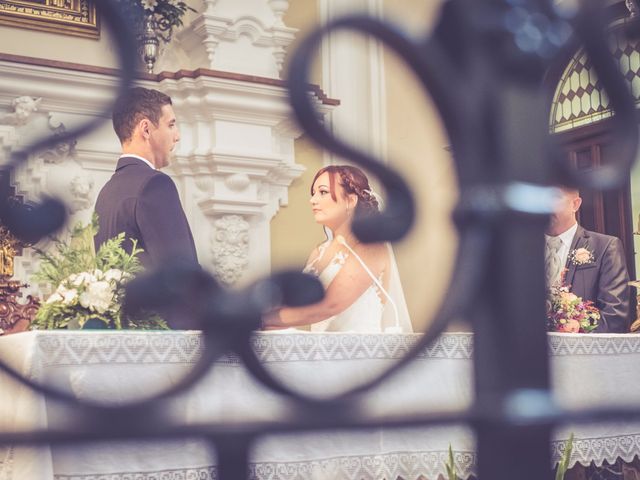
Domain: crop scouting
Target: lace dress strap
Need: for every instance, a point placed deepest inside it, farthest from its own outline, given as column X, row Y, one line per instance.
column 310, row 267
column 377, row 282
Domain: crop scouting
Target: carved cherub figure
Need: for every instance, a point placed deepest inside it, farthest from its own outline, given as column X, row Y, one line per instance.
column 23, row 107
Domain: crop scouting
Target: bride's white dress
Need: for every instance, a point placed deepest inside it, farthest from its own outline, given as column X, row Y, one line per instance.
column 377, row 310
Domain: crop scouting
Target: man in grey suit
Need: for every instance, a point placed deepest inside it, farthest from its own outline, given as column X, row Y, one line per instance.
column 595, row 265
column 139, row 200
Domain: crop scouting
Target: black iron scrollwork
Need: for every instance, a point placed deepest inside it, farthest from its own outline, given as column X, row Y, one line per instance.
column 482, row 65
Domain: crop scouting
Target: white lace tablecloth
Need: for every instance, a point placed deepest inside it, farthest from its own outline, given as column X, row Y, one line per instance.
column 118, row 366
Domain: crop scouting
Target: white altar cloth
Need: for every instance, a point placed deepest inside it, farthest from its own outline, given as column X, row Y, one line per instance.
column 118, row 366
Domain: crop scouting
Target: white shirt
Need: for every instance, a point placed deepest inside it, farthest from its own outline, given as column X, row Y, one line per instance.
column 139, row 158
column 567, row 238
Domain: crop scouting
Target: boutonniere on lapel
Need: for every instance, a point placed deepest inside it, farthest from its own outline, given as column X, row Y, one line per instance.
column 581, row 256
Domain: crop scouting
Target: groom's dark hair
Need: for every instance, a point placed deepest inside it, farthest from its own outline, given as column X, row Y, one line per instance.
column 134, row 105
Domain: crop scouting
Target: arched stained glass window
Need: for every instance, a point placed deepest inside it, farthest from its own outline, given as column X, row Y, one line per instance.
column 580, row 98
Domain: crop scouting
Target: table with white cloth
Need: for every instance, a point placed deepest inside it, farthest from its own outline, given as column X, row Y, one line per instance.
column 118, row 366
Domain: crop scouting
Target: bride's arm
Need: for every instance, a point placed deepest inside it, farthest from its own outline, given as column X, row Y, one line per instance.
column 348, row 285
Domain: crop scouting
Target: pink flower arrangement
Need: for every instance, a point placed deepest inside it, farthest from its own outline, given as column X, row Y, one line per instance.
column 569, row 313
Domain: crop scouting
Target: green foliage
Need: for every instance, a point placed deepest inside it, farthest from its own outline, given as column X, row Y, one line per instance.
column 167, row 13
column 65, row 259
column 563, row 464
column 450, row 466
column 89, row 286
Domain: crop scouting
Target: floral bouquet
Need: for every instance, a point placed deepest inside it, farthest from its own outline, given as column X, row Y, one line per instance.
column 89, row 288
column 567, row 312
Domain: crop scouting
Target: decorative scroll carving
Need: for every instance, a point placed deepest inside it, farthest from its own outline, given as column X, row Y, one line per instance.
column 62, row 150
column 15, row 317
column 230, row 248
column 81, row 188
column 238, row 182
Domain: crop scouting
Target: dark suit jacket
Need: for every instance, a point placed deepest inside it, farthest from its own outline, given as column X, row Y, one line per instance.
column 604, row 281
column 144, row 204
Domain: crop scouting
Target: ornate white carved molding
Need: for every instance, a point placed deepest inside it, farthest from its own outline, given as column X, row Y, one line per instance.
column 230, row 248
column 250, row 39
column 8, row 138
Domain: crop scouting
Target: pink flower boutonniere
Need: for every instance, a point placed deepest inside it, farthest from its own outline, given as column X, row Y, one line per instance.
column 581, row 256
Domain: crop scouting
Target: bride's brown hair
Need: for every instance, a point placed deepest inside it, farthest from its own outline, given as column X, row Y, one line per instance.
column 353, row 181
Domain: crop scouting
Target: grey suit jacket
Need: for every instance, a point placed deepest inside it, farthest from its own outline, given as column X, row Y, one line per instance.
column 144, row 204
column 604, row 281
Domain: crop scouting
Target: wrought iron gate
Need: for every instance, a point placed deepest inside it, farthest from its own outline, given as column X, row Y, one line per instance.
column 483, row 65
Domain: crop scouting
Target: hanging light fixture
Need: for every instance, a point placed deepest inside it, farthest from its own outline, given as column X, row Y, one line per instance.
column 150, row 42
column 153, row 21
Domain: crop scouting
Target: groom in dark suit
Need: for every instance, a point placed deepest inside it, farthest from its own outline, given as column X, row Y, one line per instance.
column 595, row 263
column 139, row 200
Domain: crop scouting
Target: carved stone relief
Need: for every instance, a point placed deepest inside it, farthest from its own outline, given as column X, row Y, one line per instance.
column 252, row 43
column 23, row 108
column 230, row 248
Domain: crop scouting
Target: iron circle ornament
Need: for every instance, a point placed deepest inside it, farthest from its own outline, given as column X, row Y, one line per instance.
column 397, row 218
column 473, row 218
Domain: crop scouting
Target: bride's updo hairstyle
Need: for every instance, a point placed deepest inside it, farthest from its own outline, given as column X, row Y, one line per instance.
column 353, row 181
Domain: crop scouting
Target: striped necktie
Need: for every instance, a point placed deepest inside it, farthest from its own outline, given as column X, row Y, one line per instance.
column 552, row 260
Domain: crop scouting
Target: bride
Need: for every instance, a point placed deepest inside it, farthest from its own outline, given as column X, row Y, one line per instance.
column 362, row 286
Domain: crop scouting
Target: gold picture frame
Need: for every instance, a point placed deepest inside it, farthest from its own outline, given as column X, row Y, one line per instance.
column 68, row 17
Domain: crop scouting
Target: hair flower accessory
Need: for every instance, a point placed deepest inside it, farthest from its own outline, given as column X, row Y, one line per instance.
column 375, row 195
column 581, row 256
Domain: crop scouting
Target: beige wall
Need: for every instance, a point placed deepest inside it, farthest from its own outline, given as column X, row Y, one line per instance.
column 59, row 47
column 294, row 233
column 416, row 144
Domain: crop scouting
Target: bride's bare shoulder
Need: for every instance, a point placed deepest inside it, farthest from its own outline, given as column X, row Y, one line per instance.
column 377, row 253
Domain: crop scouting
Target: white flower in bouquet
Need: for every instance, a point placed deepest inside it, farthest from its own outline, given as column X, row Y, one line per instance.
column 82, row 278
column 98, row 297
column 89, row 285
column 54, row 298
column 115, row 275
column 69, row 295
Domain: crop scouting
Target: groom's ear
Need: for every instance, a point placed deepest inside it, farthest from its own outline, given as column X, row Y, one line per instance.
column 143, row 126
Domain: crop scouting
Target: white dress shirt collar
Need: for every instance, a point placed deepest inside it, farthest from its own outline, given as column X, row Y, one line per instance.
column 567, row 235
column 139, row 158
